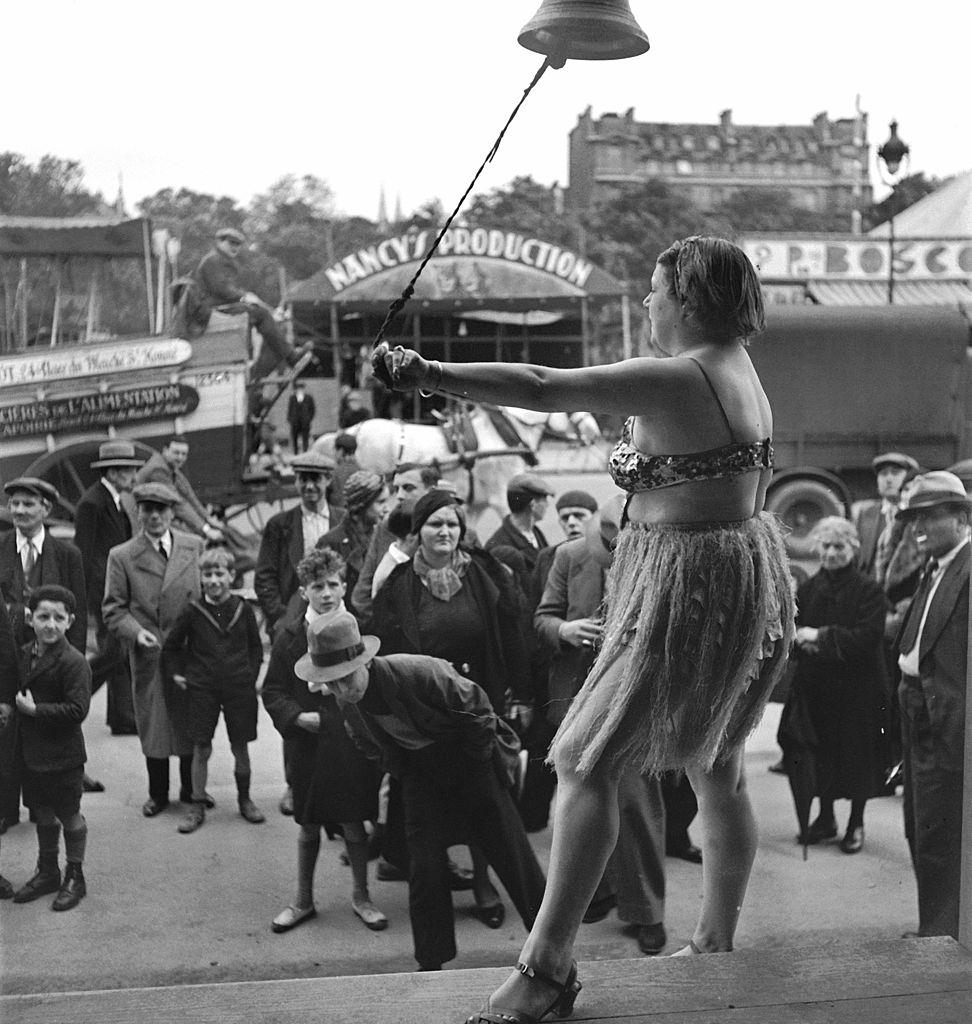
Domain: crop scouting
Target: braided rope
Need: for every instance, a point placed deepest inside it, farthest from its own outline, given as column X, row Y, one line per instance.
column 399, row 304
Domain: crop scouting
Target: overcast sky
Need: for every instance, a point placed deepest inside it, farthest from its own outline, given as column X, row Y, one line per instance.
column 227, row 97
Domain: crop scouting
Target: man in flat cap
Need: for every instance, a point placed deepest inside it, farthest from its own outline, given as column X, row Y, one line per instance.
column 876, row 516
column 527, row 497
column 933, row 658
column 219, row 277
column 103, row 519
column 150, row 580
column 31, row 556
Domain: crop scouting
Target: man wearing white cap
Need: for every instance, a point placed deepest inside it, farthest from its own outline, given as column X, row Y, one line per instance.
column 933, row 656
column 437, row 732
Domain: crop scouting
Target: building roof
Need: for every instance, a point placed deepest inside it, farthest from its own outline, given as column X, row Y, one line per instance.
column 944, row 213
column 875, row 293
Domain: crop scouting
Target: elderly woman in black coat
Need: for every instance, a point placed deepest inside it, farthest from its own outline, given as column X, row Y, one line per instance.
column 838, row 686
column 461, row 605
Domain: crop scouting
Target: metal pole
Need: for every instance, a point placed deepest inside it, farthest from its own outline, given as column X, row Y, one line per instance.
column 891, row 251
column 965, row 878
column 149, row 296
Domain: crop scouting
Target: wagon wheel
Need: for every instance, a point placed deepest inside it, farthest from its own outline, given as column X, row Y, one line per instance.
column 69, row 469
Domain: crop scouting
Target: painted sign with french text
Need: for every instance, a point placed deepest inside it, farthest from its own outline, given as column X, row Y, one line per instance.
column 48, row 366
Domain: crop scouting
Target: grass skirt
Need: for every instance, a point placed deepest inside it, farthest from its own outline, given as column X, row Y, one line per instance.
column 699, row 624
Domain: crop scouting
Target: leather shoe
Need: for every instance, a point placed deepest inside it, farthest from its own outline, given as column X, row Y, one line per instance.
column 460, row 879
column 853, row 841
column 287, row 802
column 91, row 785
column 151, row 807
column 492, row 916
column 370, row 915
column 689, row 852
column 251, row 812
column 820, row 830
column 194, row 817
column 40, row 884
column 388, row 872
column 290, row 917
column 597, row 910
column 72, row 891
column 651, row 938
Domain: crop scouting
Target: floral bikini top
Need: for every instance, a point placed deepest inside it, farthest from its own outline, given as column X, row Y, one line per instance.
column 632, row 470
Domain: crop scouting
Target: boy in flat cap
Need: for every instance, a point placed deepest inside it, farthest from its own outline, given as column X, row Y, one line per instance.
column 150, row 579
column 438, row 734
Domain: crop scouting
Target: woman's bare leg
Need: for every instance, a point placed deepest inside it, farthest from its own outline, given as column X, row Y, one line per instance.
column 584, row 835
column 728, row 851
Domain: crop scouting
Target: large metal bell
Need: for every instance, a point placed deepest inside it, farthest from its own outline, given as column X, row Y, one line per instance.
column 584, row 30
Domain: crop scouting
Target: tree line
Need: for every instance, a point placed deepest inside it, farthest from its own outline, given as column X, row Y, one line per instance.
column 295, row 228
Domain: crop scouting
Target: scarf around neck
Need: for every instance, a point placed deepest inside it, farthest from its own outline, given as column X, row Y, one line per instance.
column 443, row 584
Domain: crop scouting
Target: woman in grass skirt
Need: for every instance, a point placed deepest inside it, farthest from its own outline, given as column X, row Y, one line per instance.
column 699, row 609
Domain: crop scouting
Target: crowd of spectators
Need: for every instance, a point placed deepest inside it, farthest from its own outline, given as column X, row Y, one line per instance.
column 495, row 633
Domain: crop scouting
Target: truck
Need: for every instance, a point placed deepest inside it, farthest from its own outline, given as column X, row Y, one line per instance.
column 848, row 383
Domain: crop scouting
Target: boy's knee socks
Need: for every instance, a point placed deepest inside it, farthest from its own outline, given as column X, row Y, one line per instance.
column 48, row 845
column 308, row 847
column 75, row 841
column 242, row 785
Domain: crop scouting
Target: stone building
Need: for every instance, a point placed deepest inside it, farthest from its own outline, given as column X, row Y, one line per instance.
column 824, row 164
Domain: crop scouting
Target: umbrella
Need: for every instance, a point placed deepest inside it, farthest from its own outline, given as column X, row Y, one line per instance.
column 798, row 740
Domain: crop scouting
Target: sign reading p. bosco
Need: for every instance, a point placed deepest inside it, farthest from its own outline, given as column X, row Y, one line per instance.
column 54, row 365
column 81, row 412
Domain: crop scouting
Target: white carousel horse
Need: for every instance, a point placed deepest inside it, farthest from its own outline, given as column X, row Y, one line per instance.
column 482, row 469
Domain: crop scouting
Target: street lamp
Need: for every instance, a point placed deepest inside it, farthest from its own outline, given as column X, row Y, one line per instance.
column 895, row 157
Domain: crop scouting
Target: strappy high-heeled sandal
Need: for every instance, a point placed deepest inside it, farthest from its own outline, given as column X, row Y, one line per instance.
column 561, row 1007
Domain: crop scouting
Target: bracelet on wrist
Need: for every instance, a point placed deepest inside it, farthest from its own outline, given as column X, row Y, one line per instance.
column 430, row 387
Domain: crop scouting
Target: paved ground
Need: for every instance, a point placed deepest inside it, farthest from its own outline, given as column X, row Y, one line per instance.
column 164, row 908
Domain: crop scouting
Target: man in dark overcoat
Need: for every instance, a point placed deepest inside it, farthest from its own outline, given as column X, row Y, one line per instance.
column 933, row 657
column 300, row 416
column 102, row 521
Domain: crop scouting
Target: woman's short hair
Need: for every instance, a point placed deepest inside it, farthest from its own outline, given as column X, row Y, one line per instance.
column 844, row 529
column 318, row 563
column 713, row 280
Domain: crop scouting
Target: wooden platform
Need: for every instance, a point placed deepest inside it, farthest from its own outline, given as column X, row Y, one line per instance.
column 908, row 981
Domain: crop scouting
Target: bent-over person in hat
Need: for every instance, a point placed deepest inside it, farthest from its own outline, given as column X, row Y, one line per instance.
column 933, row 655
column 436, row 731
column 150, row 580
column 103, row 519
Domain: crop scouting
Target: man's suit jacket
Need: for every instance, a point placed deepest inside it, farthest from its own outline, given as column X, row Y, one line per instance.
column 143, row 591
column 870, row 525
column 190, row 513
column 300, row 414
column 281, row 548
column 942, row 661
column 98, row 527
column 574, row 590
column 60, row 563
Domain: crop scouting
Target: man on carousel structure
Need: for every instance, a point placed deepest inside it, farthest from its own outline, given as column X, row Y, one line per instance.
column 219, row 277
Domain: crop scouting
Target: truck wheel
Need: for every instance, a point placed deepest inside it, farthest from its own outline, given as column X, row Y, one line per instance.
column 800, row 504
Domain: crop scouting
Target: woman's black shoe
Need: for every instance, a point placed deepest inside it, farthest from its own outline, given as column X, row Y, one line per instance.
column 853, row 841
column 492, row 916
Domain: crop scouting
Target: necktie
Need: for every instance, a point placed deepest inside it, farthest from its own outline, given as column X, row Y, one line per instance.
column 162, row 551
column 910, row 633
column 30, row 560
